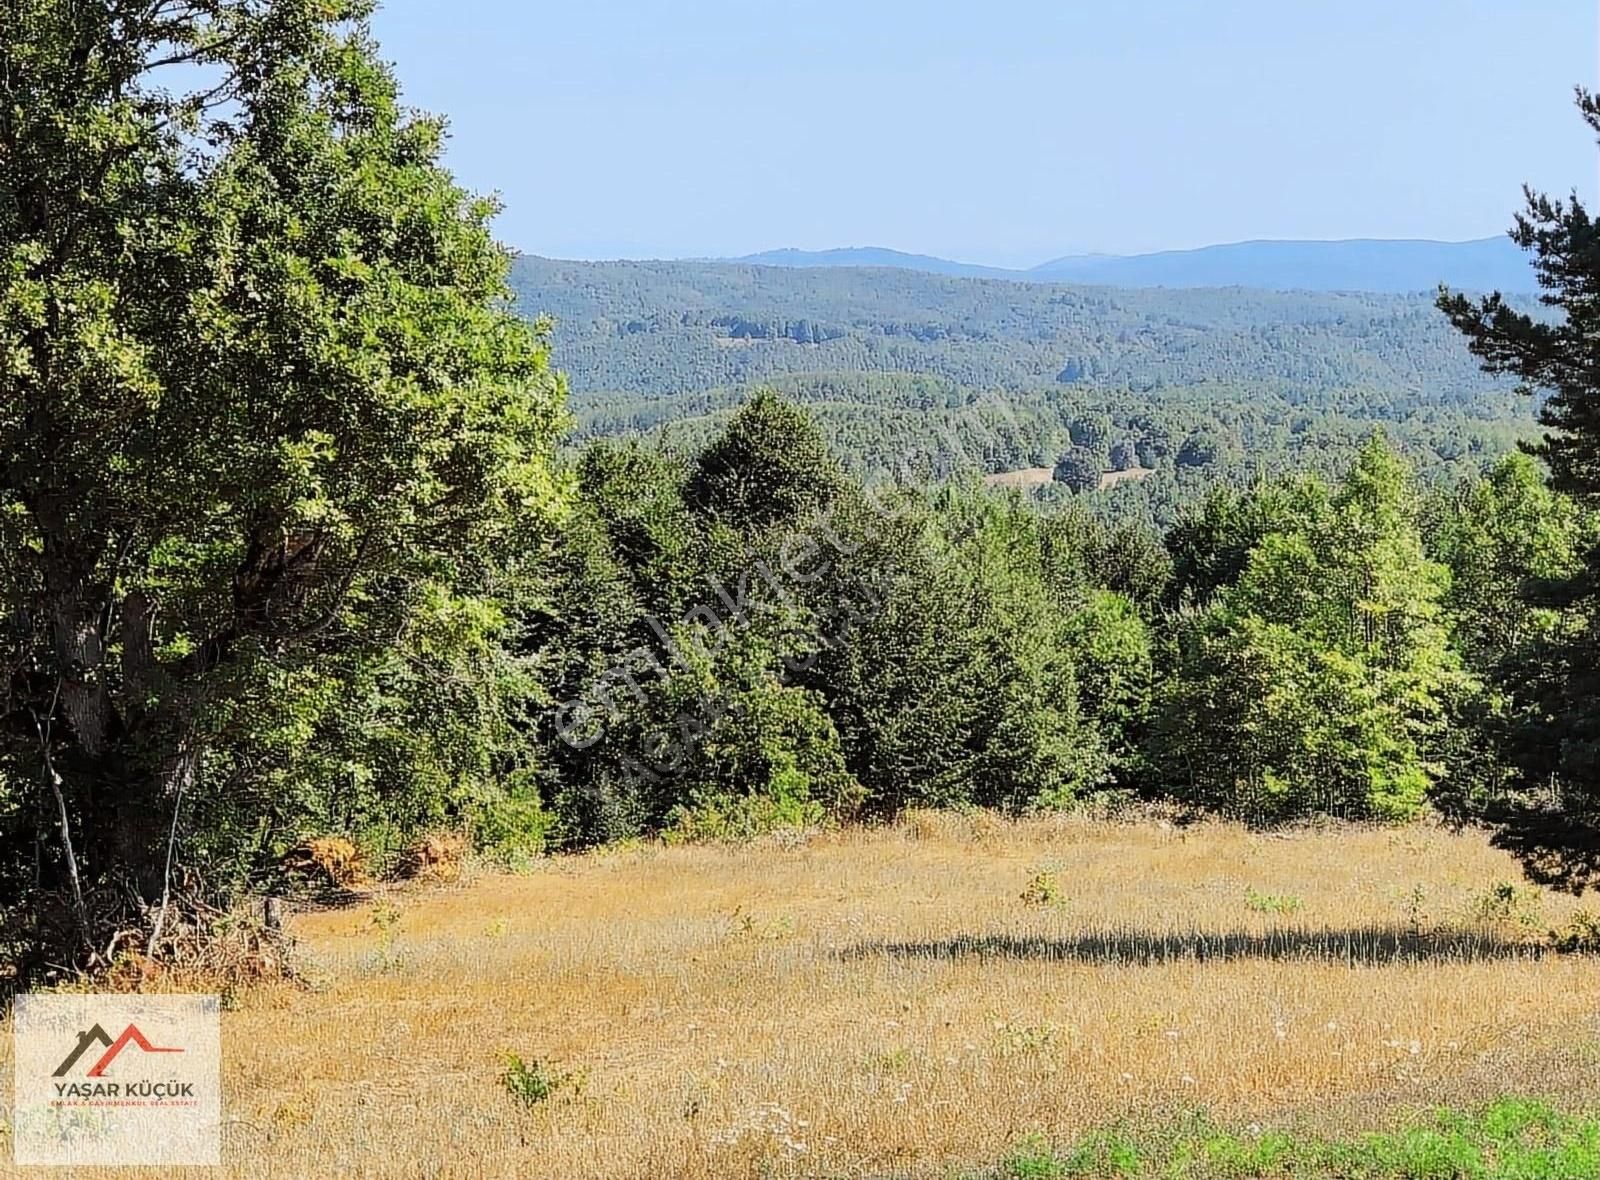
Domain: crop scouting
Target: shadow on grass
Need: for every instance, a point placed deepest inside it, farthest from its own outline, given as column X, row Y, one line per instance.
column 1358, row 947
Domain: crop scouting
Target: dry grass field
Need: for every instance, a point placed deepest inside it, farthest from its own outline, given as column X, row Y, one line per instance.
column 907, row 1002
column 1038, row 477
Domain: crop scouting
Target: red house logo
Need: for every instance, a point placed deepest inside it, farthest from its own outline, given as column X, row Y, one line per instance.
column 98, row 1036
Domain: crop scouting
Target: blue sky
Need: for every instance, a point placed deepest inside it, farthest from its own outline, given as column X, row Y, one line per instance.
column 1006, row 132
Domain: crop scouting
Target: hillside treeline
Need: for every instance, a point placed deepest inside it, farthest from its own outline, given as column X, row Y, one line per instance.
column 914, row 428
column 763, row 640
column 666, row 329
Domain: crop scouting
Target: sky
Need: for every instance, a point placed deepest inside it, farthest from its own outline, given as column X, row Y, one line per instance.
column 1005, row 132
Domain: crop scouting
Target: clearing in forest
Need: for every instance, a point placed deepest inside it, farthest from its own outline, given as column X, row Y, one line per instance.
column 916, row 1000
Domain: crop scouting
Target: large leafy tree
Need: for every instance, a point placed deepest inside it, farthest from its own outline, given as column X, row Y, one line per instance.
column 1322, row 679
column 1557, row 682
column 1505, row 537
column 261, row 401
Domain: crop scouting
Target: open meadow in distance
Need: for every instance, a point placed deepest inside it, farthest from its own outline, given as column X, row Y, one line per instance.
column 911, row 1001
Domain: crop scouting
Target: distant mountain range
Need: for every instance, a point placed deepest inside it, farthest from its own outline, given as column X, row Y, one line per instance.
column 1363, row 264
column 881, row 256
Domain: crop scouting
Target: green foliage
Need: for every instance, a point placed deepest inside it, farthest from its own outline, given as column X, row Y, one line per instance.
column 1320, row 680
column 1513, row 1139
column 1501, row 537
column 1044, row 889
column 1581, row 935
column 770, row 759
column 300, row 446
column 1079, row 470
column 725, row 666
column 1525, row 561
column 769, row 466
column 531, row 1082
column 385, row 920
column 1271, row 903
column 1507, row 904
column 513, row 828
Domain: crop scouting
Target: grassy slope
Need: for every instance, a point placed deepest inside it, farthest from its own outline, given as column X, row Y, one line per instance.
column 888, row 1004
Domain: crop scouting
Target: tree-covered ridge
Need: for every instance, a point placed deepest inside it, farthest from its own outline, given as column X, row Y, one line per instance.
column 1488, row 264
column 1303, row 646
column 675, row 328
column 925, row 378
column 910, row 428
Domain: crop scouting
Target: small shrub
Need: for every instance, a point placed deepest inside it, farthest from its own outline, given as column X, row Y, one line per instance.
column 1506, row 904
column 531, row 1082
column 438, row 857
column 925, row 823
column 1033, row 1159
column 1271, row 903
column 737, row 818
column 1580, row 936
column 514, row 831
column 385, row 919
column 1013, row 1038
column 747, row 925
column 1105, row 1154
column 1416, row 909
column 1044, row 889
column 333, row 859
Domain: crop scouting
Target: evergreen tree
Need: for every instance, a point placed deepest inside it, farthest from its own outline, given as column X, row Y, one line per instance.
column 1557, row 682
column 1079, row 469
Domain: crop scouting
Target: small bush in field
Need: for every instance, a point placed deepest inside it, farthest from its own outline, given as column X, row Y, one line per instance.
column 531, row 1082
column 1033, row 1159
column 385, row 919
column 1505, row 903
column 1271, row 903
column 1581, row 935
column 1044, row 889
column 747, row 925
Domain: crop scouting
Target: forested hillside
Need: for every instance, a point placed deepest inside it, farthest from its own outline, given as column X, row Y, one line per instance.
column 927, row 377
column 668, row 328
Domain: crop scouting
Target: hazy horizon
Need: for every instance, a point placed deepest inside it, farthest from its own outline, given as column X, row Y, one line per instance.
column 1022, row 265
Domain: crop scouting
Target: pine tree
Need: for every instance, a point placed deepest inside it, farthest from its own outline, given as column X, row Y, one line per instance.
column 1557, row 352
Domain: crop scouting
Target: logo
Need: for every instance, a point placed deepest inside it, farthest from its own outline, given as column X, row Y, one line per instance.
column 150, row 1094
column 97, row 1035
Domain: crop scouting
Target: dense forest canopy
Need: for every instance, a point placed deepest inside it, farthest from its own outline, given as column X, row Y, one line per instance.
column 921, row 378
column 672, row 328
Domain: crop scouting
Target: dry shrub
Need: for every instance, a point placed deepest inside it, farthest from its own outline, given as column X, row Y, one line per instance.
column 204, row 950
column 437, row 857
column 985, row 827
column 975, row 825
column 333, row 858
column 918, row 823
